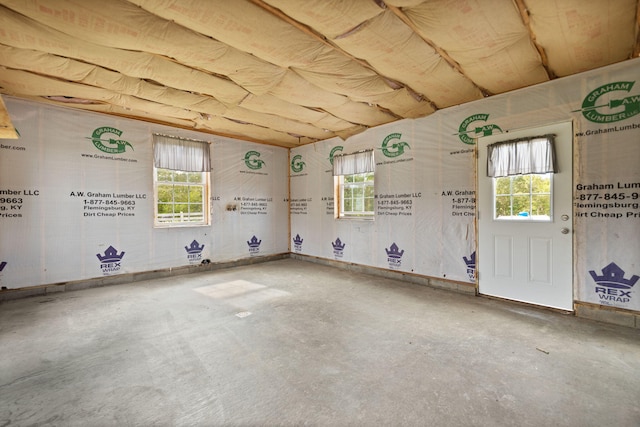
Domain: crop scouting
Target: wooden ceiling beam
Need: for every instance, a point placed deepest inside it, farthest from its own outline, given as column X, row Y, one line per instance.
column 7, row 130
column 526, row 20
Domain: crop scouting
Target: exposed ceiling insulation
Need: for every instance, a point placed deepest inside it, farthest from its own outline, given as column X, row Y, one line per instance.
column 292, row 72
column 7, row 131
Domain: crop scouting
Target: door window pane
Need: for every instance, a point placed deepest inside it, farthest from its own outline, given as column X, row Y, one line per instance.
column 523, row 197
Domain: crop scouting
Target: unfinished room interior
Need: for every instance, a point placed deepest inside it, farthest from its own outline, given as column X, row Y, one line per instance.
column 319, row 212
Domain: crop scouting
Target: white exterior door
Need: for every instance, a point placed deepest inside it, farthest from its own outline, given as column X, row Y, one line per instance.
column 524, row 256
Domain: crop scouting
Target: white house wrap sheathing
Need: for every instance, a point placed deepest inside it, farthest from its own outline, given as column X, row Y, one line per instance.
column 425, row 185
column 287, row 72
column 64, row 203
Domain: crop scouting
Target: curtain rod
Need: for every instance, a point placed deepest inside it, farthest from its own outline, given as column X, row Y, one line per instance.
column 181, row 137
column 355, row 152
column 531, row 127
column 525, row 138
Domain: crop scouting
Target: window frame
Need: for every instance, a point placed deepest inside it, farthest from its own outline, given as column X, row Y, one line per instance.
column 530, row 194
column 339, row 198
column 184, row 157
column 205, row 204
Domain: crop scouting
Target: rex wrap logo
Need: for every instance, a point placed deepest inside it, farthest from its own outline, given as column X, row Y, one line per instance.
column 194, row 252
column 338, row 248
column 611, row 286
column 394, row 256
column 101, row 136
column 253, row 161
column 603, row 104
column 297, row 165
column 473, row 127
column 393, row 146
column 254, row 246
column 297, row 243
column 111, row 261
column 334, row 150
column 471, row 266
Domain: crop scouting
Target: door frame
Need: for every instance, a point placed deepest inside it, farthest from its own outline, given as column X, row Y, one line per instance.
column 567, row 306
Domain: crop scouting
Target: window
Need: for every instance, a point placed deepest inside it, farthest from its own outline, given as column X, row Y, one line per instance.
column 523, row 197
column 181, row 197
column 354, row 185
column 356, row 195
column 522, row 171
column 181, row 182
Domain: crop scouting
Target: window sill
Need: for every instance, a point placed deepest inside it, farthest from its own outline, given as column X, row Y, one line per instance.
column 180, row 225
column 356, row 218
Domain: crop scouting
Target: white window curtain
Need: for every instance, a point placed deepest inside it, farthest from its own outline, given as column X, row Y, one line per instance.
column 176, row 153
column 522, row 157
column 350, row 164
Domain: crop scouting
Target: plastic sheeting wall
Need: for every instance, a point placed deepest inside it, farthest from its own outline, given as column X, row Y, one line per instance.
column 425, row 185
column 425, row 202
column 69, row 211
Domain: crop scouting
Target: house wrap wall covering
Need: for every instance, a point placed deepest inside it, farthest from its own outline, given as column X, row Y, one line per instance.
column 70, row 211
column 425, row 185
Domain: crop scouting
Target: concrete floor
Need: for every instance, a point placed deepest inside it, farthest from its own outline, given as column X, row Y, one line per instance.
column 295, row 343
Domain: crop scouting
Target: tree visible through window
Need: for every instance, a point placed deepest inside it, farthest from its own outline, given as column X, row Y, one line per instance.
column 353, row 182
column 181, row 181
column 356, row 195
column 181, row 197
column 523, row 197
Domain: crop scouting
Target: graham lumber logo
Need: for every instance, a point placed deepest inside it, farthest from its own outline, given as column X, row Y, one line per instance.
column 333, row 152
column 115, row 146
column 297, row 164
column 251, row 159
column 601, row 106
column 468, row 136
column 396, row 148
